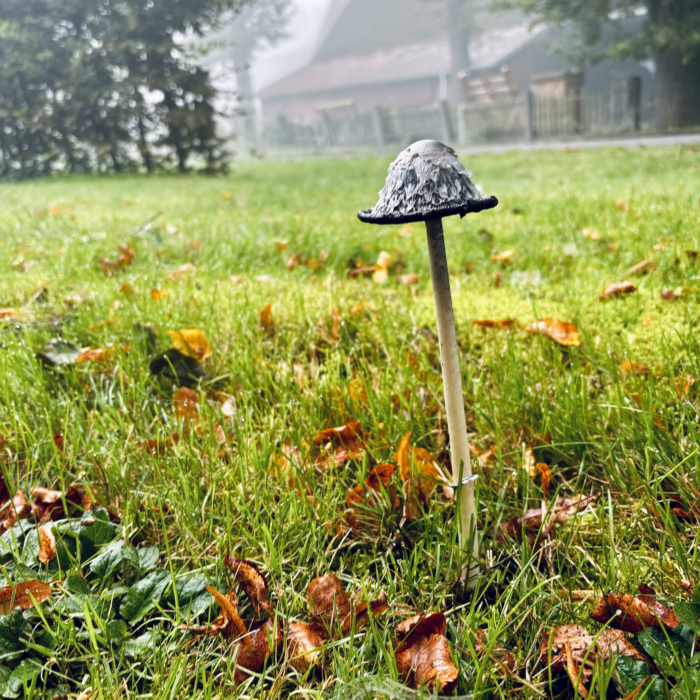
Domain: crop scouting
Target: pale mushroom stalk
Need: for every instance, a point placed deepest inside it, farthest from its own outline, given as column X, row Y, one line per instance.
column 427, row 182
column 454, row 403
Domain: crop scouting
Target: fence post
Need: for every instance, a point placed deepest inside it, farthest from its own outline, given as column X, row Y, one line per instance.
column 634, row 100
column 327, row 129
column 379, row 126
column 530, row 132
column 461, row 124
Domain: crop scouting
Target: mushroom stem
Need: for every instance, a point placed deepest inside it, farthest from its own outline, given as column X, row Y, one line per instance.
column 454, row 401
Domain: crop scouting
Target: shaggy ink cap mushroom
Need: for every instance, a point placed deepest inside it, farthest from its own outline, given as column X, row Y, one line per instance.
column 426, row 182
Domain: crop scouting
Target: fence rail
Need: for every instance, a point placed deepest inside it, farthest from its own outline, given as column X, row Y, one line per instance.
column 581, row 114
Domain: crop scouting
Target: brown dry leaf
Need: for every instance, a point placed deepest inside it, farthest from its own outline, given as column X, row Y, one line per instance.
column 423, row 655
column 47, row 545
column 332, row 614
column 157, row 294
column 357, row 309
column 159, row 447
column 381, row 268
column 683, row 385
column 252, row 581
column 633, row 613
column 264, row 640
column 181, row 271
column 15, row 510
column 232, row 624
column 529, row 463
column 126, row 258
column 641, row 268
column 339, row 444
column 335, row 329
column 281, row 244
column 126, row 289
column 267, row 322
column 503, row 324
column 591, row 233
column 8, row 314
column 561, row 332
column 533, row 519
column 670, row 295
column 502, row 657
column 370, row 495
column 47, row 504
column 94, row 355
column 294, row 261
column 617, row 289
column 411, row 278
column 20, row 596
column 630, row 366
column 504, row 257
column 420, row 474
column 546, row 476
column 185, row 403
column 622, row 205
column 191, row 342
column 678, row 507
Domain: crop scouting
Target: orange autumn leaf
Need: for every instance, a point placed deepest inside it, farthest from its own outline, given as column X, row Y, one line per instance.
column 504, row 257
column 411, row 278
column 185, row 403
column 683, row 385
column 420, row 474
column 633, row 613
column 47, row 545
column 335, row 330
column 381, row 268
column 670, row 295
column 23, row 595
column 95, row 355
column 8, row 314
column 617, row 289
column 267, row 322
column 503, row 324
column 157, row 294
column 339, row 444
column 126, row 258
column 561, row 332
column 423, row 655
column 632, row 367
column 191, row 342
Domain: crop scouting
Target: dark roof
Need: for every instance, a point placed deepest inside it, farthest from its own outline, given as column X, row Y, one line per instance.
column 400, row 63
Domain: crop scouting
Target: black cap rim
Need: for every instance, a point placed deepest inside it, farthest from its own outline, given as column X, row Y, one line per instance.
column 368, row 217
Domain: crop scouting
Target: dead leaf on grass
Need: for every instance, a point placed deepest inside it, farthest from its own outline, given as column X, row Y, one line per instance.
column 423, row 655
column 252, row 581
column 670, row 295
column 633, row 613
column 504, row 257
column 632, row 367
column 411, row 278
column 23, row 595
column 359, row 518
column 502, row 657
column 381, row 268
column 683, row 385
column 181, row 271
column 267, row 322
column 126, row 258
column 8, row 314
column 339, row 445
column 420, row 474
column 561, row 332
column 617, row 289
column 186, row 405
column 503, row 324
column 47, row 545
column 641, row 268
column 191, row 342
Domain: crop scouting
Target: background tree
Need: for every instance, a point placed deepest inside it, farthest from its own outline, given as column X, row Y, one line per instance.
column 105, row 85
column 670, row 35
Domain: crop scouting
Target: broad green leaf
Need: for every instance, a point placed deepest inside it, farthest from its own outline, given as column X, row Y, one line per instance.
column 112, row 557
column 148, row 558
column 664, row 646
column 631, row 673
column 696, row 595
column 143, row 596
column 21, row 676
column 5, row 674
column 136, row 647
column 76, row 583
column 116, row 631
column 12, row 628
column 690, row 614
column 191, row 587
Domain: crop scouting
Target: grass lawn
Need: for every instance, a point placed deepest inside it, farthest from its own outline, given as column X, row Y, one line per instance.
column 242, row 465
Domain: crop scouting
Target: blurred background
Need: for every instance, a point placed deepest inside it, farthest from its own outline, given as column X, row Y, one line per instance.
column 148, row 83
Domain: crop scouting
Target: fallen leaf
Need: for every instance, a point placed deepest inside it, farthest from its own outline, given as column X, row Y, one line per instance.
column 252, row 581
column 94, row 355
column 267, row 322
column 683, row 385
column 191, row 342
column 670, row 295
column 126, row 258
column 504, row 257
column 339, row 444
column 294, row 261
column 591, row 233
column 181, row 271
column 617, row 289
column 420, row 474
column 633, row 613
column 281, row 244
column 332, row 614
column 423, row 655
column 546, row 476
column 194, row 244
column 360, row 519
column 235, row 279
column 48, row 504
column 502, row 657
column 157, row 294
column 226, row 196
column 641, row 268
column 533, row 520
column 632, row 367
column 381, row 268
column 126, row 289
column 8, row 314
column 560, row 332
column 622, row 205
column 23, row 595
column 186, row 405
column 47, row 545
column 159, row 447
column 408, row 279
column 503, row 324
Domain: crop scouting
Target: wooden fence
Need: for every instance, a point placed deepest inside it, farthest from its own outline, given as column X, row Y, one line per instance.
column 530, row 117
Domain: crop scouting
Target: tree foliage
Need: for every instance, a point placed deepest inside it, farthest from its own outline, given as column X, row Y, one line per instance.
column 106, row 85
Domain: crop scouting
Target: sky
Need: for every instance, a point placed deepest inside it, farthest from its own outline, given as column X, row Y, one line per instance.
column 294, row 52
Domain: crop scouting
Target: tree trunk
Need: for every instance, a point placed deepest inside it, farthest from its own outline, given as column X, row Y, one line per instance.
column 677, row 91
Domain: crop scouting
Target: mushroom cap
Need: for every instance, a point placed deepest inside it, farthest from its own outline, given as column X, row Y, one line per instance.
column 426, row 181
